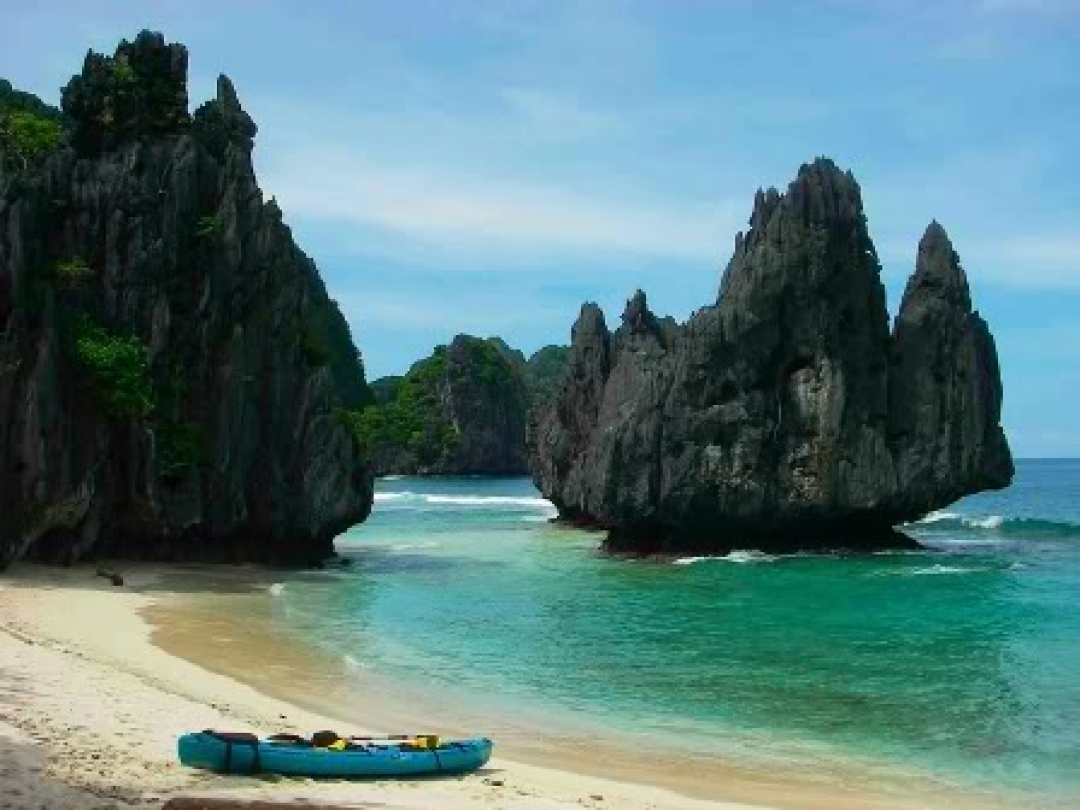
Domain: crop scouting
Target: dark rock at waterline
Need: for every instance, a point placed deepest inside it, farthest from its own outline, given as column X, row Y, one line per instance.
column 786, row 416
column 172, row 370
column 944, row 386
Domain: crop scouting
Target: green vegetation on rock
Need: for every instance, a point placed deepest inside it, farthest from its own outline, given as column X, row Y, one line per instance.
column 137, row 93
column 29, row 136
column 29, row 128
column 462, row 410
column 209, row 226
column 179, row 445
column 385, row 389
column 118, row 369
column 544, row 373
column 487, row 362
column 325, row 340
column 120, row 376
column 411, row 419
column 72, row 273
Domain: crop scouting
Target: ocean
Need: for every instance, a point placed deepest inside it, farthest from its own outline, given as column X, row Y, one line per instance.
column 960, row 663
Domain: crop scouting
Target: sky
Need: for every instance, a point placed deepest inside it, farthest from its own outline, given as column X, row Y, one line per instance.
column 485, row 167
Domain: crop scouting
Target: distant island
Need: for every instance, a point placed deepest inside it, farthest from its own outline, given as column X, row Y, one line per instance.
column 175, row 381
column 463, row 410
column 786, row 416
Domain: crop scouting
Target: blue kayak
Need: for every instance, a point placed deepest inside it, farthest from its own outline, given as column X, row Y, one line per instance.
column 246, row 753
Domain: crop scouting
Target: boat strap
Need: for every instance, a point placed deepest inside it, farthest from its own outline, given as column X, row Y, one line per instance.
column 438, row 762
column 231, row 739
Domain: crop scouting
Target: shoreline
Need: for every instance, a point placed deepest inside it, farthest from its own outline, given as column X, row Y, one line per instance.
column 113, row 675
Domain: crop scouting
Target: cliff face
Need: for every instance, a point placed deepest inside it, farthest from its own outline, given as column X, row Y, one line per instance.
column 171, row 367
column 786, row 416
column 461, row 411
column 543, row 374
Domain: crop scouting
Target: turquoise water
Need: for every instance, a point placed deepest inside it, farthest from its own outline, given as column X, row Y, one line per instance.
column 962, row 661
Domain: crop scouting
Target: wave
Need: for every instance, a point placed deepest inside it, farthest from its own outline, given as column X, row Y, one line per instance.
column 488, row 500
column 503, row 501
column 740, row 557
column 393, row 496
column 354, row 663
column 936, row 570
column 277, row 589
column 412, row 546
column 996, row 524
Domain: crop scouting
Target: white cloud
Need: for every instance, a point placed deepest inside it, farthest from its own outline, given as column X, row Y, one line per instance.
column 1047, row 261
column 1041, row 261
column 383, row 310
column 1056, row 248
column 465, row 212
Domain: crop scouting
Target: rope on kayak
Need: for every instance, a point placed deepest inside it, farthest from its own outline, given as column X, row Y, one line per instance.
column 438, row 762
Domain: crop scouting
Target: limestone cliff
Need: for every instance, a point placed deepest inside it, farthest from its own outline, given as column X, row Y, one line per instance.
column 787, row 415
column 172, row 370
column 461, row 411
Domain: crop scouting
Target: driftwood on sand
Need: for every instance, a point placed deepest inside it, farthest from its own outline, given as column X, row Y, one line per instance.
column 110, row 574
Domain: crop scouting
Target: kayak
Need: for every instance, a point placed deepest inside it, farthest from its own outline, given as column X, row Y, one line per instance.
column 245, row 753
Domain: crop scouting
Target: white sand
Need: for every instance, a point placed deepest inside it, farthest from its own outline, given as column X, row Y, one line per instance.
column 90, row 711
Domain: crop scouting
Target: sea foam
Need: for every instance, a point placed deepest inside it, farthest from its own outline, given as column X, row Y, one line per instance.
column 478, row 501
column 354, row 663
column 739, row 557
column 488, row 500
column 995, row 525
column 935, row 570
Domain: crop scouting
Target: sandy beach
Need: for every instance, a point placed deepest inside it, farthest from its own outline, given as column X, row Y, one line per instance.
column 92, row 699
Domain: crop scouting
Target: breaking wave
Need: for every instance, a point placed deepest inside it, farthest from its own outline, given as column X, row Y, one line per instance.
column 996, row 524
column 936, row 570
column 471, row 501
column 734, row 557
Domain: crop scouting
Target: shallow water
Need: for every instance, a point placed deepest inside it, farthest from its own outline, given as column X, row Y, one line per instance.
column 962, row 661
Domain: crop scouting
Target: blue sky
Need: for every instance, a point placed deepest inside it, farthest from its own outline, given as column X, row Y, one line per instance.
column 486, row 167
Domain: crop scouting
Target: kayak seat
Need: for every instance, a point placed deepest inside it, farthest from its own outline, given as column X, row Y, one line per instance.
column 324, row 739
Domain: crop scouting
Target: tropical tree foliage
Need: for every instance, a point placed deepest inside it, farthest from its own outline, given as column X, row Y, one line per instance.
column 117, row 367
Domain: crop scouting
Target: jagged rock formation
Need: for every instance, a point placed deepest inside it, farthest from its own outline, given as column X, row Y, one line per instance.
column 786, row 416
column 460, row 411
column 172, row 371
